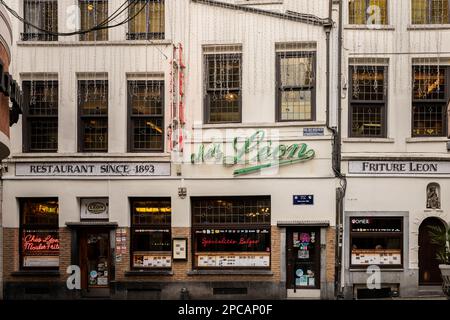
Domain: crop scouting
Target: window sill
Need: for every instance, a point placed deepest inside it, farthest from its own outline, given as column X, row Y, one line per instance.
column 104, row 155
column 368, row 140
column 137, row 273
column 93, row 43
column 260, row 125
column 253, row 2
column 252, row 272
column 382, row 27
column 426, row 139
column 36, row 273
column 364, row 270
column 413, row 27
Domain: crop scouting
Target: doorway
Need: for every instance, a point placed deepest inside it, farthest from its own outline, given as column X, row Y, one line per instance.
column 303, row 258
column 95, row 261
column 429, row 273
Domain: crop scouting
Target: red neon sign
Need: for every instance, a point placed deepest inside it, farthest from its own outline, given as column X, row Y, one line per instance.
column 34, row 243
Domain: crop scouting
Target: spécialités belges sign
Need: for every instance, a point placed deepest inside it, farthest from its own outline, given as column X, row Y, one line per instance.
column 399, row 167
column 124, row 169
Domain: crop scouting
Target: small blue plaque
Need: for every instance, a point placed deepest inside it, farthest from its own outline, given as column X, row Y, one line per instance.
column 303, row 199
column 311, row 132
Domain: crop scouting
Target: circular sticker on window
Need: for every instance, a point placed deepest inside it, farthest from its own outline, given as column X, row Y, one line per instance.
column 299, row 272
column 93, row 274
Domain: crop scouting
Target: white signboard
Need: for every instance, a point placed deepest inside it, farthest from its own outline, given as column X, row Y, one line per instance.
column 399, row 167
column 108, row 169
column 94, row 208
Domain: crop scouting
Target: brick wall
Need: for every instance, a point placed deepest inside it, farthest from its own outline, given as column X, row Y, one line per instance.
column 331, row 240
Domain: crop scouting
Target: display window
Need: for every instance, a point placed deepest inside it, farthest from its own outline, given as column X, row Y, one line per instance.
column 376, row 241
column 151, row 234
column 39, row 240
column 231, row 232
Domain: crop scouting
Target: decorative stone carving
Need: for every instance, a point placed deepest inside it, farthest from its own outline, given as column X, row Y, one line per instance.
column 433, row 198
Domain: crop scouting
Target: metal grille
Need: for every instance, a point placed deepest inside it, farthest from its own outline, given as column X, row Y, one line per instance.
column 93, row 108
column 93, row 12
column 296, row 84
column 148, row 22
column 42, row 116
column 430, row 11
column 146, row 103
column 44, row 14
column 430, row 94
column 223, row 87
column 231, row 210
column 368, row 101
column 360, row 11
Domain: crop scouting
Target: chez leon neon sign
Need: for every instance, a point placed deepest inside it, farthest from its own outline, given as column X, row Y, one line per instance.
column 34, row 243
column 224, row 241
column 265, row 155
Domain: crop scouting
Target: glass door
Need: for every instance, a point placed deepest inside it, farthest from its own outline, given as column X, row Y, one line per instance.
column 303, row 258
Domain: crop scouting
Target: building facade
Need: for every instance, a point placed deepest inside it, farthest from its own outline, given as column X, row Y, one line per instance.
column 186, row 153
column 395, row 143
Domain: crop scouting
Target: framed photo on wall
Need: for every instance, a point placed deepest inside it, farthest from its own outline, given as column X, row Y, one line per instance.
column 179, row 246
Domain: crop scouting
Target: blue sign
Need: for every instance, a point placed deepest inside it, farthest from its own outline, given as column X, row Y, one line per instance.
column 311, row 132
column 305, row 199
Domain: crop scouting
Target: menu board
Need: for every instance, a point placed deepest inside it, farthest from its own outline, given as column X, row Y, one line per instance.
column 233, row 260
column 121, row 241
column 377, row 257
column 152, row 260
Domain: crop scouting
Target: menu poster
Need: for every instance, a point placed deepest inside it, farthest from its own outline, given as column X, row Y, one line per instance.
column 179, row 249
column 121, row 241
column 233, row 261
column 152, row 261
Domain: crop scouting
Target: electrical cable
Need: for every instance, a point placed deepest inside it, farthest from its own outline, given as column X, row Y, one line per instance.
column 100, row 26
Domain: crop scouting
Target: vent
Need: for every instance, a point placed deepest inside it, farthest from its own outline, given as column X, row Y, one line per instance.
column 218, row 291
column 368, row 61
column 295, row 46
column 216, row 49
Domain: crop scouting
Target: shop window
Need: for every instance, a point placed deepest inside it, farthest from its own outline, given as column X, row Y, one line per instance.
column 295, row 86
column 40, row 119
column 42, row 14
column 368, row 12
column 223, row 85
column 430, row 11
column 433, row 196
column 146, row 20
column 430, row 96
column 93, row 115
column 368, row 101
column 151, row 233
column 146, row 115
column 93, row 13
column 376, row 241
column 231, row 232
column 39, row 234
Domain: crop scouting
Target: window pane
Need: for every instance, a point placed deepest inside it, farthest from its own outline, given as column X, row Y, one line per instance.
column 95, row 134
column 148, row 21
column 297, row 70
column 147, row 134
column 378, row 8
column 40, row 212
column 357, row 11
column 368, row 83
column 151, row 240
column 429, row 83
column 93, row 97
column 429, row 119
column 419, row 11
column 224, row 71
column 296, row 105
column 224, row 107
column 367, row 121
column 146, row 97
column 43, row 98
column 43, row 134
column 43, row 14
column 138, row 10
column 439, row 11
column 146, row 212
column 93, row 12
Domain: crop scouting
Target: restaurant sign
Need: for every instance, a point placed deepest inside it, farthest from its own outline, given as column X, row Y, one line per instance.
column 254, row 152
column 399, row 167
column 123, row 169
column 94, row 208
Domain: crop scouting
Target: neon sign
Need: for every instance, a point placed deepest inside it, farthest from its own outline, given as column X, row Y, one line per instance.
column 266, row 156
column 35, row 243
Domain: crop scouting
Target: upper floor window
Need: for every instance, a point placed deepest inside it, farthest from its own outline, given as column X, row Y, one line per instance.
column 223, row 85
column 93, row 12
column 146, row 20
column 368, row 12
column 296, row 83
column 44, row 15
column 368, row 101
column 430, row 11
column 93, row 115
column 40, row 120
column 430, row 96
column 146, row 115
